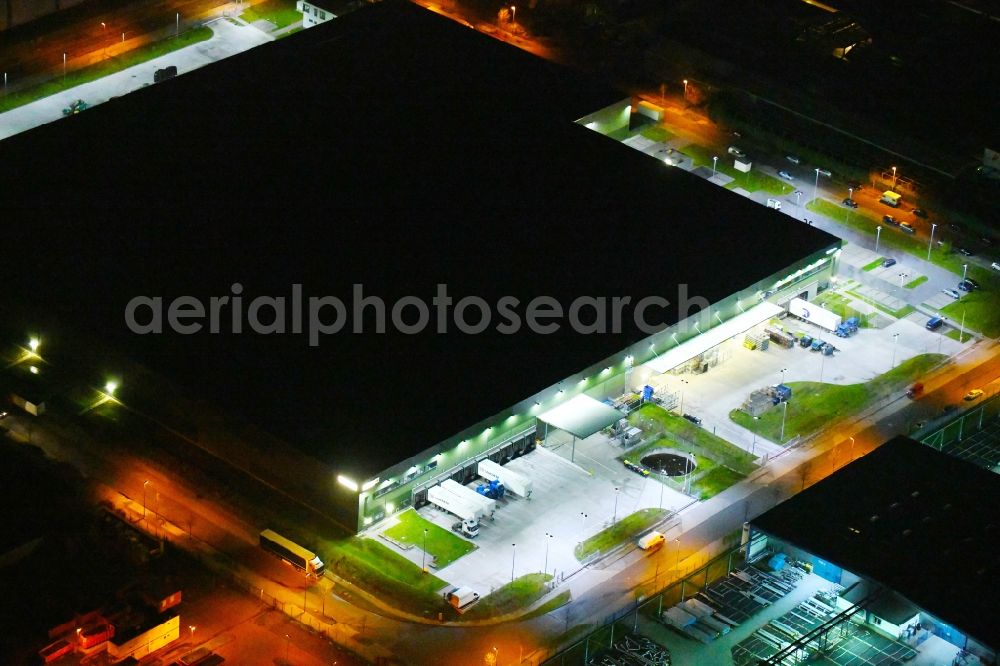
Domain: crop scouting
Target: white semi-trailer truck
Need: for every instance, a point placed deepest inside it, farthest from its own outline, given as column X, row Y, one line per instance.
column 516, row 483
column 470, row 495
column 468, row 512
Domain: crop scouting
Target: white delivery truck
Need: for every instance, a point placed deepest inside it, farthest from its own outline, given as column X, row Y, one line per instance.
column 651, row 540
column 469, row 513
column 471, row 496
column 461, row 598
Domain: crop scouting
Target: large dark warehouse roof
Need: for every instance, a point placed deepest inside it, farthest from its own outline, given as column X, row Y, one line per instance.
column 393, row 148
column 918, row 521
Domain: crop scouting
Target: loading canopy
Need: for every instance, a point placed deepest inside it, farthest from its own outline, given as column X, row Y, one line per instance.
column 581, row 416
column 713, row 337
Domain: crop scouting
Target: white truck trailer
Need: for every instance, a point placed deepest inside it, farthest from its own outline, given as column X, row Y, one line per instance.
column 814, row 314
column 468, row 512
column 511, row 480
column 471, row 496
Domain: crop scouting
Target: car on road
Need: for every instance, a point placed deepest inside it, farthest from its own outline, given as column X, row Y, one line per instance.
column 951, row 292
column 794, row 159
column 890, row 220
column 907, row 227
column 850, row 203
column 887, row 262
column 934, row 323
column 965, row 252
column 973, row 394
column 920, row 212
column 995, row 265
column 786, row 175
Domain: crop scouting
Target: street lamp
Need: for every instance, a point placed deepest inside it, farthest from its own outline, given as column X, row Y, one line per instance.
column 850, row 193
column 547, row 541
column 513, row 552
column 104, row 27
column 798, row 195
column 144, row 484
column 110, row 387
column 878, row 234
column 816, row 184
column 191, row 628
column 901, row 276
column 583, row 523
column 614, row 518
column 784, row 414
column 965, row 270
column 852, row 447
column 894, row 178
column 423, row 560
column 930, row 243
column 714, row 160
column 895, row 337
column 685, row 88
column 33, row 344
column 783, row 375
column 753, row 446
column 513, row 13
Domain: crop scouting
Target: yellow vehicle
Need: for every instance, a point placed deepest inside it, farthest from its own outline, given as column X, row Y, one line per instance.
column 891, row 198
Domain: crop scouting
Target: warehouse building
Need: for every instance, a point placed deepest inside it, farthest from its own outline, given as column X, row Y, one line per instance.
column 399, row 150
column 909, row 537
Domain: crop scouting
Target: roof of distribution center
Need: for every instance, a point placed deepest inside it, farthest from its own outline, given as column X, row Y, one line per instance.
column 391, row 148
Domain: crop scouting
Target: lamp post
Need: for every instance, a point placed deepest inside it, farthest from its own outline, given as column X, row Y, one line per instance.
column 177, row 29
column 191, row 628
column 614, row 518
column 816, row 184
column 513, row 552
column 513, row 13
column 930, row 243
column 144, row 484
column 685, row 89
column 423, row 557
column 104, row 40
column 852, row 447
column 895, row 337
column 64, row 69
column 783, row 375
column 288, row 642
column 850, row 193
column 798, row 198
column 894, row 179
column 583, row 522
column 753, row 446
column 548, row 539
column 715, row 159
column 878, row 234
column 965, row 271
column 784, row 414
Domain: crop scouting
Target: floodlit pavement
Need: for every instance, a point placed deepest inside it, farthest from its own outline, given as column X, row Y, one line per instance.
column 228, row 39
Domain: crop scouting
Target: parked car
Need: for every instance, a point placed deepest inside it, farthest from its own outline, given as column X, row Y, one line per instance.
column 934, row 323
column 965, row 286
column 736, row 152
column 887, row 262
column 965, row 252
column 972, row 283
column 794, row 159
column 890, row 220
column 973, row 394
column 907, row 227
column 693, row 419
column 850, row 203
column 786, row 175
column 920, row 212
column 951, row 292
column 995, row 265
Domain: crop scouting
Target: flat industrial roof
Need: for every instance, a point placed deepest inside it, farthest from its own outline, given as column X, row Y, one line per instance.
column 391, row 147
column 913, row 519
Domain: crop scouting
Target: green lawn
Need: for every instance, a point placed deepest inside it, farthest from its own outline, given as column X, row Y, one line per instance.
column 981, row 310
column 815, row 405
column 873, row 265
column 687, row 436
column 840, row 304
column 444, row 546
column 715, row 481
column 385, row 574
column 913, row 284
column 512, row 597
column 555, row 602
column 104, row 68
column 625, row 529
column 751, row 182
column 279, row 12
column 657, row 133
